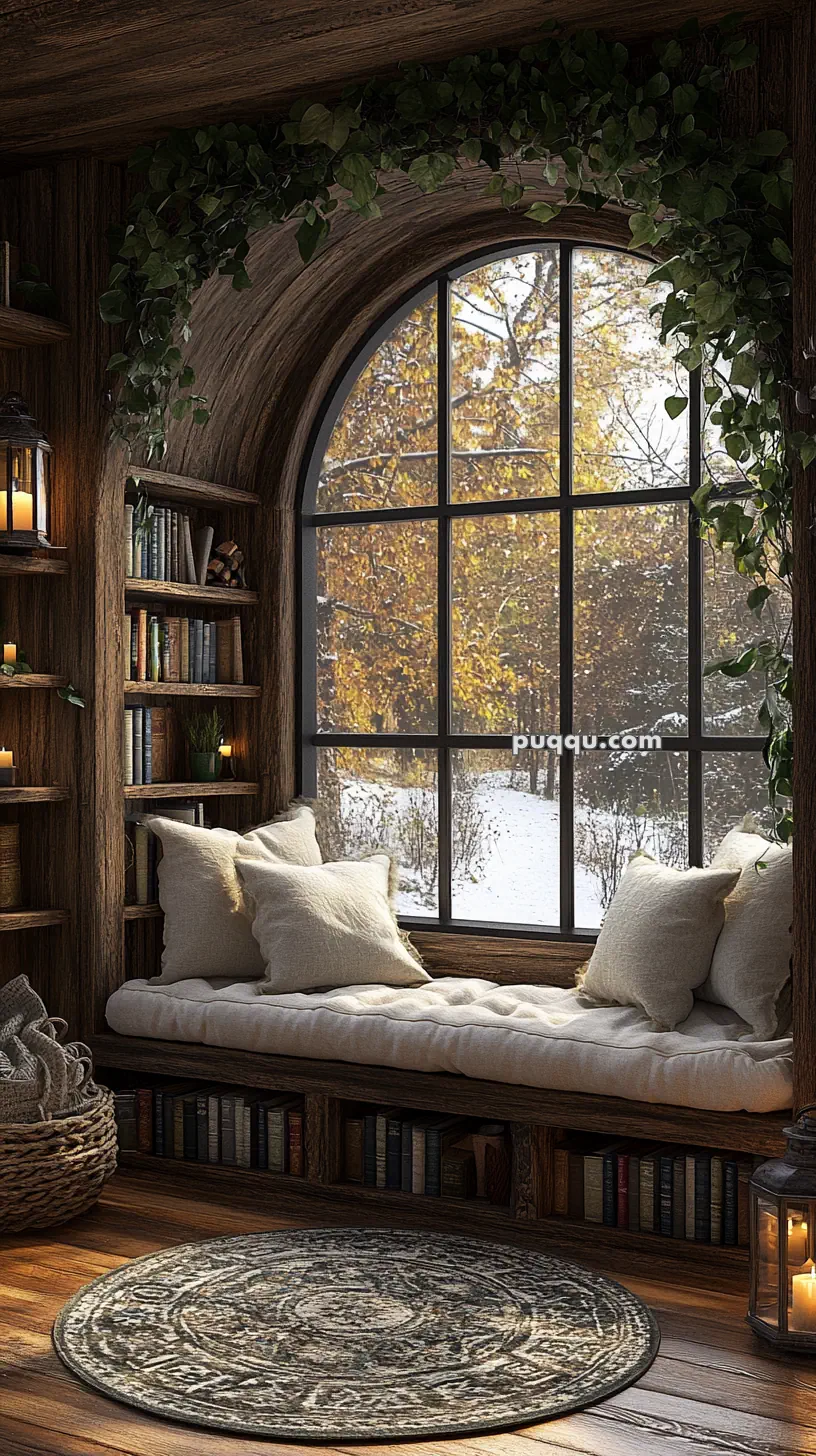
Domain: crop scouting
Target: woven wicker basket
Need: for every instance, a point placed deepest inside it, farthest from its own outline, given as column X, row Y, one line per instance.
column 51, row 1171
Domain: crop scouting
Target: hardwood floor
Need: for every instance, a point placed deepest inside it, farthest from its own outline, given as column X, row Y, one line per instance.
column 713, row 1389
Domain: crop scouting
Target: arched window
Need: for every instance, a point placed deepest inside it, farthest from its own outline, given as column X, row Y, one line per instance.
column 498, row 540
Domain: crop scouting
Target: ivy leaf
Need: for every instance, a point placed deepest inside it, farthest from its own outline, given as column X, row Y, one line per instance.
column 807, row 451
column 115, row 307
column 757, row 598
column 429, row 172
column 310, row 235
column 744, row 371
column 542, row 212
column 315, row 124
column 684, row 99
column 769, row 143
column 675, row 405
column 780, row 250
column 471, row 149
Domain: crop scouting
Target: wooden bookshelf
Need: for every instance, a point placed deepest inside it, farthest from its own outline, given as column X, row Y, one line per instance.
column 220, row 789
column 142, row 912
column 33, row 680
column 32, row 919
column 180, row 591
column 163, row 484
column 191, row 690
column 27, row 794
column 31, row 565
column 21, row 330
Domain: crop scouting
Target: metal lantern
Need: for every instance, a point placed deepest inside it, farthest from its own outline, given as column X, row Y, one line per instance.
column 25, row 478
column 782, row 1305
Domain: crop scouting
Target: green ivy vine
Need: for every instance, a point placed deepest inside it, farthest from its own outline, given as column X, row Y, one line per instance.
column 603, row 129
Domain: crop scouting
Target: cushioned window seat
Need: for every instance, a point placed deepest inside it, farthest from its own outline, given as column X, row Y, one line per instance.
column 533, row 1036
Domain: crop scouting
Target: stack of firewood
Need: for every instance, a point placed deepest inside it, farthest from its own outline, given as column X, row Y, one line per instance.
column 226, row 566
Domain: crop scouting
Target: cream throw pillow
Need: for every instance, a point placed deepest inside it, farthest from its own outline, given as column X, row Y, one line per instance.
column 327, row 925
column 750, row 970
column 657, row 939
column 206, row 928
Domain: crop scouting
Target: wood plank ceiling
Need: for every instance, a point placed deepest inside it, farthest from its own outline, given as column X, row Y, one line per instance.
column 98, row 77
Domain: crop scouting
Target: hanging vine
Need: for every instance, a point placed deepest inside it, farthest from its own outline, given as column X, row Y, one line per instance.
column 601, row 130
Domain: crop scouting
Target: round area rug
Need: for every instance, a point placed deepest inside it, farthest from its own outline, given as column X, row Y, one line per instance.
column 336, row 1335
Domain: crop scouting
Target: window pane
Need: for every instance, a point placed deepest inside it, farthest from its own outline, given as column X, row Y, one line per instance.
column 623, row 438
column 504, row 348
column 731, row 703
column 625, row 802
column 372, row 799
column 631, row 611
column 383, row 448
column 376, row 627
column 734, row 784
column 505, row 623
column 505, row 837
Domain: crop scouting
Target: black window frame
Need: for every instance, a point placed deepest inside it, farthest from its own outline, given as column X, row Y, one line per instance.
column 693, row 744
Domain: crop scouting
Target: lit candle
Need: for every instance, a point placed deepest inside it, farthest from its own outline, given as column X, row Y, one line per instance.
column 9, row 652
column 8, row 773
column 803, row 1309
column 797, row 1242
column 22, row 510
column 3, row 511
column 225, row 750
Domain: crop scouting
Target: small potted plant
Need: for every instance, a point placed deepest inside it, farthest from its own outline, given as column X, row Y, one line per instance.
column 204, row 732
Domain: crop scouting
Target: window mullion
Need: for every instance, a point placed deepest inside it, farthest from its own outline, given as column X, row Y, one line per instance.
column 695, row 627
column 566, row 790
column 445, row 812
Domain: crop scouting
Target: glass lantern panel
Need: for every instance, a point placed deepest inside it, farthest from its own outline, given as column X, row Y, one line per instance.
column 43, row 480
column 767, row 1229
column 801, row 1271
column 22, row 490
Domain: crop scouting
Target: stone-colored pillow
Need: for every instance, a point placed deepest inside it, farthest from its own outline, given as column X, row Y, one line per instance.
column 657, row 939
column 750, row 969
column 206, row 929
column 327, row 925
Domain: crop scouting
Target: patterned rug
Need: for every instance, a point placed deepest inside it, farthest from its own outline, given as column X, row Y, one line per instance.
column 337, row 1335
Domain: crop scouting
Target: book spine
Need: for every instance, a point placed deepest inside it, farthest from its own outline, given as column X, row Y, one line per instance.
column 178, row 1127
column 167, row 1124
column 127, row 746
column 610, row 1190
column 575, row 1189
column 393, row 1153
column 189, row 561
column 263, row 1145
column 679, row 1196
column 634, row 1193
column 744, row 1171
column 212, row 675
column 164, row 645
column 147, row 732
column 623, row 1190
column 141, row 659
column 433, row 1162
column 561, row 1182
column 144, row 1120
column 138, row 745
column 353, row 1138
column 184, row 669
column 244, row 1152
column 370, row 1150
column 158, row 1125
column 202, row 1128
column 228, row 1130
column 154, row 666
column 198, row 649
column 237, row 651
column 690, row 1194
column 213, row 1129
column 593, row 1188
column 174, row 547
column 296, row 1150
column 716, row 1200
column 730, row 1181
column 153, row 570
column 382, row 1134
column 418, row 1159
column 190, row 1129
column 406, row 1157
column 666, row 1182
column 161, row 549
column 647, row 1187
column 128, row 540
column 205, row 653
column 141, row 834
column 702, row 1198
column 275, row 1140
column 238, row 1125
column 134, row 648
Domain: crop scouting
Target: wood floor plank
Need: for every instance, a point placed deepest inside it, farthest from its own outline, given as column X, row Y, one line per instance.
column 715, row 1389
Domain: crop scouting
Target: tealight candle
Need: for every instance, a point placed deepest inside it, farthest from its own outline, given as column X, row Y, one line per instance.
column 803, row 1307
column 9, row 653
column 225, row 750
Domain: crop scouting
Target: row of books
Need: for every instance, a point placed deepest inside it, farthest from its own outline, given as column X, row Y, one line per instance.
column 143, row 851
column 682, row 1193
column 159, row 648
column 166, row 548
column 427, row 1153
column 225, row 1125
column 144, row 743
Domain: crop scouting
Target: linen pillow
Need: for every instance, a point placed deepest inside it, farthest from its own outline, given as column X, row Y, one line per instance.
column 206, row 928
column 327, row 925
column 750, row 969
column 657, row 939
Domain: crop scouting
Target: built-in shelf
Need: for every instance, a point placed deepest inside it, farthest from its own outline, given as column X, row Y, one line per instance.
column 186, row 488
column 34, row 795
column 221, row 788
column 21, row 330
column 142, row 912
column 222, row 596
column 32, row 919
column 31, row 565
column 33, row 680
column 191, row 690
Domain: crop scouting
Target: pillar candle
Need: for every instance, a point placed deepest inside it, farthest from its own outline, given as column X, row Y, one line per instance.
column 803, row 1308
column 9, row 652
column 797, row 1242
column 22, row 510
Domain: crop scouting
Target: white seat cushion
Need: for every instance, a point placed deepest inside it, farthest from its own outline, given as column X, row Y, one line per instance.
column 533, row 1036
